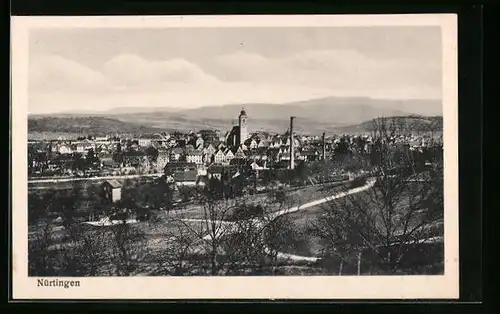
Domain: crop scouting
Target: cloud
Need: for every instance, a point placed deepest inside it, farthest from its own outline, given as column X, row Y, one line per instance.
column 337, row 70
column 55, row 73
column 59, row 84
column 173, row 95
column 132, row 70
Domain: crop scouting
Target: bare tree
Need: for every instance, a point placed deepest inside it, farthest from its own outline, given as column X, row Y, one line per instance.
column 244, row 246
column 86, row 255
column 40, row 259
column 129, row 248
column 390, row 220
column 175, row 251
column 215, row 226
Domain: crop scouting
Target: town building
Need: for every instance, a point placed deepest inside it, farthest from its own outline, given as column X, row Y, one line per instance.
column 185, row 178
column 173, row 167
column 220, row 157
column 162, row 159
column 112, row 190
column 239, row 133
column 194, row 156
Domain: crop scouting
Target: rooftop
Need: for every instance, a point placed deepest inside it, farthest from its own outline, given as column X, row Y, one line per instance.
column 114, row 183
column 184, row 176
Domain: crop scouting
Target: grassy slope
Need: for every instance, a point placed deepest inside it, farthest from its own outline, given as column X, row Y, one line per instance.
column 84, row 126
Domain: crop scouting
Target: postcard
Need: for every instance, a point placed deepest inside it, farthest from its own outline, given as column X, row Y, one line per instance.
column 235, row 157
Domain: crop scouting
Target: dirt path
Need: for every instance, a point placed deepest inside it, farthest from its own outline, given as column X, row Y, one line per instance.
column 229, row 226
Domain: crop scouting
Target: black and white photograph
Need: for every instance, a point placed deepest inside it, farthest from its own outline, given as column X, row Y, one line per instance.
column 195, row 148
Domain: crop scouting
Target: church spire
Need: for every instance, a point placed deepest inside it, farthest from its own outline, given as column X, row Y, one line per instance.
column 243, row 112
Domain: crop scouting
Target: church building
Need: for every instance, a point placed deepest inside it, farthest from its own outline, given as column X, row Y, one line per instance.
column 239, row 133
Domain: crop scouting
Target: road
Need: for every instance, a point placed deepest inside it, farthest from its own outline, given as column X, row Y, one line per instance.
column 227, row 227
column 132, row 176
column 230, row 226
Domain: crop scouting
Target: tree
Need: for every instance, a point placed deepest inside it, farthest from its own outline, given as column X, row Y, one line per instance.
column 229, row 237
column 129, row 248
column 301, row 173
column 215, row 188
column 214, row 215
column 40, row 260
column 79, row 162
column 186, row 193
column 178, row 249
column 39, row 205
column 86, row 255
column 341, row 148
column 278, row 196
column 243, row 247
column 390, row 221
column 163, row 194
column 152, row 154
column 91, row 158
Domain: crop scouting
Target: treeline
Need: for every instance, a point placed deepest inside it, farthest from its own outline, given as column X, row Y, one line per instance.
column 88, row 201
column 87, row 125
column 413, row 123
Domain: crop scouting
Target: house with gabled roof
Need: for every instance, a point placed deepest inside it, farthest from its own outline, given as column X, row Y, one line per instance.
column 199, row 142
column 252, row 143
column 239, row 153
column 176, row 154
column 219, row 157
column 229, row 156
column 112, row 190
column 194, row 156
column 210, row 149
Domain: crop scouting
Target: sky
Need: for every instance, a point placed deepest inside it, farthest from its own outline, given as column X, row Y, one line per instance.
column 100, row 69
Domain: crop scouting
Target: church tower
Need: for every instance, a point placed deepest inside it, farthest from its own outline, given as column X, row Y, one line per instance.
column 242, row 121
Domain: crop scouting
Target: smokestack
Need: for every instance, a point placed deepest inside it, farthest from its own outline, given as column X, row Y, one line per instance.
column 292, row 153
column 324, row 146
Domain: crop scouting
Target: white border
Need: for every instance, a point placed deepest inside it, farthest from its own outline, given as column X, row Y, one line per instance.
column 313, row 287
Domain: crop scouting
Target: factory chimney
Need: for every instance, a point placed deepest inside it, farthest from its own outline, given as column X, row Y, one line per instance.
column 292, row 151
column 324, row 146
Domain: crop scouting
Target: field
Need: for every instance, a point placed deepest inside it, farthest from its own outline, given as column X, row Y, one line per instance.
column 309, row 243
column 162, row 236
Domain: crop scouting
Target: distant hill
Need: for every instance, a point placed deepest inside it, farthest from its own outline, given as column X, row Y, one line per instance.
column 414, row 123
column 331, row 114
column 332, row 110
column 85, row 126
column 337, row 110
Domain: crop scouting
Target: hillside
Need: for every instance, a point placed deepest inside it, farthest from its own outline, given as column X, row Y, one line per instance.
column 85, row 125
column 331, row 110
column 341, row 111
column 331, row 114
column 414, row 123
